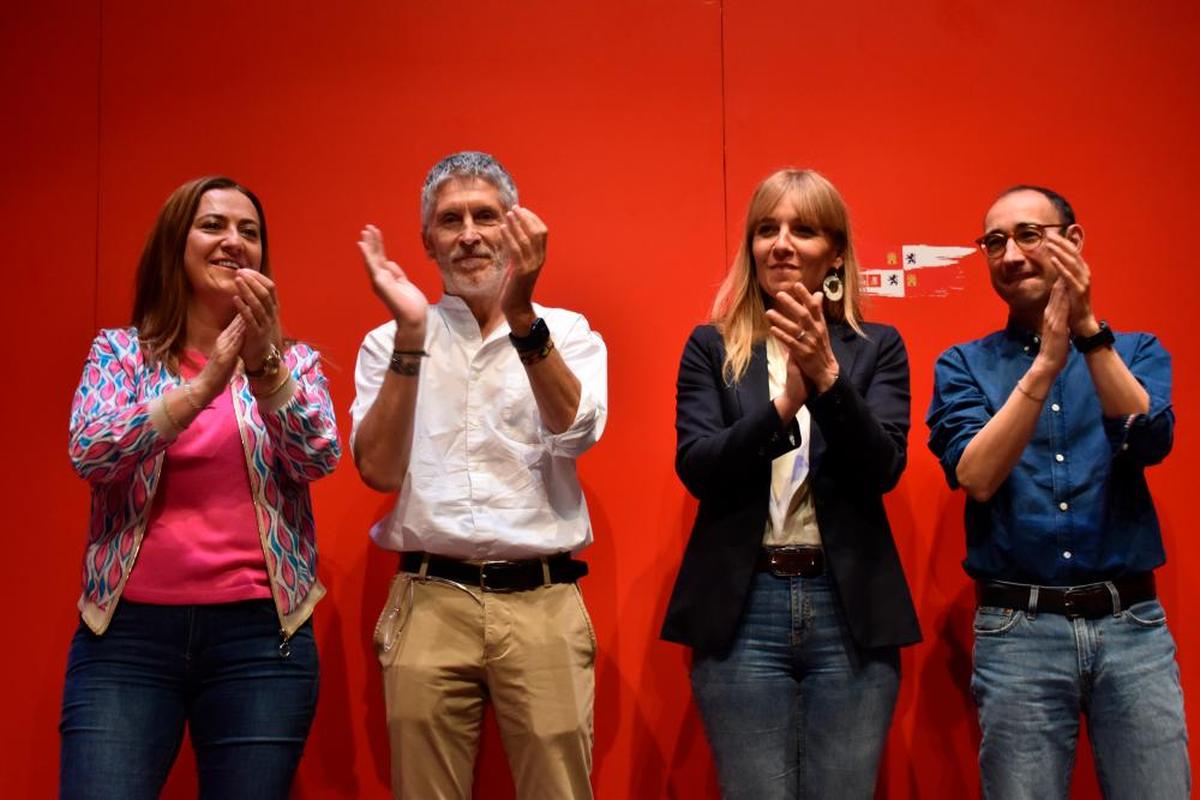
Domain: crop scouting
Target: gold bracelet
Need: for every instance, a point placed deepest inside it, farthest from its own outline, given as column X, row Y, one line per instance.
column 1021, row 389
column 191, row 396
column 264, row 396
column 171, row 417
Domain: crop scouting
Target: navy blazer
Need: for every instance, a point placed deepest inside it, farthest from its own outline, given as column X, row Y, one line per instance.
column 727, row 436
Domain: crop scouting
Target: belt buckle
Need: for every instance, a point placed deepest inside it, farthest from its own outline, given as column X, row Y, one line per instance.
column 1070, row 602
column 773, row 564
column 496, row 569
column 777, row 569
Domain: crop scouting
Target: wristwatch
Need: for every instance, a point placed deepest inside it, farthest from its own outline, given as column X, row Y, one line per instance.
column 539, row 334
column 270, row 365
column 1101, row 338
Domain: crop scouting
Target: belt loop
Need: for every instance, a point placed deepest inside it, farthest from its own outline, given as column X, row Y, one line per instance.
column 1116, row 597
column 424, row 566
column 1031, row 610
column 545, row 571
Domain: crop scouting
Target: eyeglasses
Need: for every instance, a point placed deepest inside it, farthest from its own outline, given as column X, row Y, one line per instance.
column 1028, row 236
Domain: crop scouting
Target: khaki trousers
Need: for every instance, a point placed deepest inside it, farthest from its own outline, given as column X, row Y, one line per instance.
column 445, row 649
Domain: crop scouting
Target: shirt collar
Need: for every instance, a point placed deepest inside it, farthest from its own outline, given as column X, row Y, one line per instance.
column 457, row 314
column 1022, row 336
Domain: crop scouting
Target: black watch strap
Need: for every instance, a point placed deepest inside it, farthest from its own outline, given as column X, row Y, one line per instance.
column 1101, row 338
column 539, row 334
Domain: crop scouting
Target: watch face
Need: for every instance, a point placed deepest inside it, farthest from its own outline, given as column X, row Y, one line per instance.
column 539, row 332
column 1101, row 338
column 270, row 364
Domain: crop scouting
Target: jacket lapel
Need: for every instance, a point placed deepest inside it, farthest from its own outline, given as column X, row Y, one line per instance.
column 845, row 344
column 753, row 389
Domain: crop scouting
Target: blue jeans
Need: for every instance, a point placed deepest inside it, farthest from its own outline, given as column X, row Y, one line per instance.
column 794, row 709
column 1035, row 675
column 216, row 668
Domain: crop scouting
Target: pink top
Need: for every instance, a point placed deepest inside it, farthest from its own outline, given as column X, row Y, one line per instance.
column 202, row 543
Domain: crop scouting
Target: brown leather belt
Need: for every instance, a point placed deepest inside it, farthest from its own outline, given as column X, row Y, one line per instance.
column 792, row 562
column 498, row 576
column 1090, row 601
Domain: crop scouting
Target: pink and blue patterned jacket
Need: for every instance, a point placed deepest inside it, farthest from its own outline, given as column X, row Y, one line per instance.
column 117, row 445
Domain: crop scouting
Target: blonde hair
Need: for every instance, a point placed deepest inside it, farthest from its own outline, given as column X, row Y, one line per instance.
column 739, row 312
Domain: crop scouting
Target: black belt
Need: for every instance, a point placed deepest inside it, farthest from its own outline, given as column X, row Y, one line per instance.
column 804, row 561
column 498, row 576
column 1091, row 601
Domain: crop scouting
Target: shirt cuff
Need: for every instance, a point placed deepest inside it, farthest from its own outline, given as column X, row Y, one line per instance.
column 161, row 422
column 269, row 404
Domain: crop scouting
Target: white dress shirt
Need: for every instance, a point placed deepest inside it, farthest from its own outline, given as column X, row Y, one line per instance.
column 486, row 479
column 793, row 515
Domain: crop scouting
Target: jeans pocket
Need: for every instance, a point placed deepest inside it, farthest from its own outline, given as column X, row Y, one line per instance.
column 994, row 621
column 1148, row 614
column 587, row 620
column 393, row 618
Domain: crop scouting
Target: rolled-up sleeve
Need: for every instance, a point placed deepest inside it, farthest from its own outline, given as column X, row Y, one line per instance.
column 1145, row 438
column 586, row 356
column 369, row 370
column 958, row 411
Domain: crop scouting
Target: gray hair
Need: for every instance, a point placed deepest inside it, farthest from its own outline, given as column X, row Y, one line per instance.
column 466, row 164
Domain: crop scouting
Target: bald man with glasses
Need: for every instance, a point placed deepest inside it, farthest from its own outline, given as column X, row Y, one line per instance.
column 1048, row 426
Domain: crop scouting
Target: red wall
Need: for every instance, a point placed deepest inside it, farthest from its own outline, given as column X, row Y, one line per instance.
column 637, row 131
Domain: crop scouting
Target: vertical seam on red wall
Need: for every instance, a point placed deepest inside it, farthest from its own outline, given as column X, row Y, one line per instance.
column 99, row 128
column 724, row 163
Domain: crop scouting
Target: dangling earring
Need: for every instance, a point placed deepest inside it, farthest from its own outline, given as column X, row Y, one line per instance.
column 832, row 286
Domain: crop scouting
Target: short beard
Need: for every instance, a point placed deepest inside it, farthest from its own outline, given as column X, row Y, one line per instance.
column 481, row 286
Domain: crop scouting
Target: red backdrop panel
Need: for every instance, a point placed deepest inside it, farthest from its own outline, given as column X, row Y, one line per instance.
column 333, row 117
column 49, row 60
column 637, row 131
column 921, row 114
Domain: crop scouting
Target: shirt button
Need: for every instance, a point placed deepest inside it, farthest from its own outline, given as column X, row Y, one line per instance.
column 1125, row 445
column 1026, row 348
column 1066, row 553
column 1058, row 457
column 1063, row 506
column 1055, row 407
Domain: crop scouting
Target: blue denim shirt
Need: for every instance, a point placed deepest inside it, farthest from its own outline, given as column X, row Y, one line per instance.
column 1076, row 508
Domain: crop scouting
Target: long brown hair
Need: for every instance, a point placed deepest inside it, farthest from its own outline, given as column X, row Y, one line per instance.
column 739, row 311
column 161, row 290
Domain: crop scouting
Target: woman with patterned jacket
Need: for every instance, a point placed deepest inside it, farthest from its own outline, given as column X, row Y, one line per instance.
column 199, row 430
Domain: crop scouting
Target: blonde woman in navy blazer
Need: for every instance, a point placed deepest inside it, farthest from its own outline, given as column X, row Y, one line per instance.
column 791, row 592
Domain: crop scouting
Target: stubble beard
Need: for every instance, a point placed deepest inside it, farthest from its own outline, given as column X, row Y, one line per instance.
column 477, row 284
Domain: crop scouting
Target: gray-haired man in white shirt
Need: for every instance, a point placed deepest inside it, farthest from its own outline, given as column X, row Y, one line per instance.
column 475, row 410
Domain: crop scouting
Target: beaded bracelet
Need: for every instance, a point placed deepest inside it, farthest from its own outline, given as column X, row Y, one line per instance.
column 403, row 362
column 531, row 357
